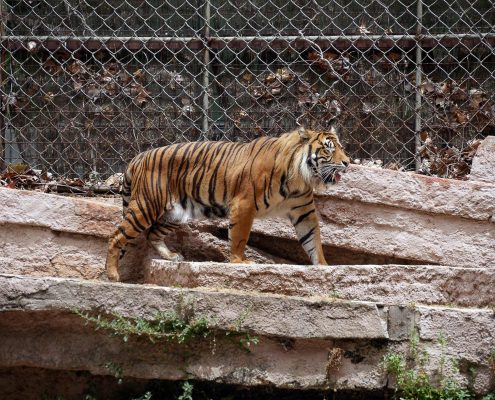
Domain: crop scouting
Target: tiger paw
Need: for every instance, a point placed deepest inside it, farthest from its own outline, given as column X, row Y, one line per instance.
column 175, row 257
column 113, row 276
column 238, row 260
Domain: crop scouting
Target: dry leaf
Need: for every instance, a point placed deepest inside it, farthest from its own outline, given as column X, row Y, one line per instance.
column 247, row 77
column 459, row 116
column 52, row 66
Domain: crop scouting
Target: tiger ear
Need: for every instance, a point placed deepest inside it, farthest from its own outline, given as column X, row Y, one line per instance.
column 303, row 134
column 333, row 125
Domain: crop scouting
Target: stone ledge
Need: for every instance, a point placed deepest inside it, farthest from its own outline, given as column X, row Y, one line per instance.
column 36, row 320
column 265, row 314
column 468, row 199
column 396, row 232
column 385, row 284
column 58, row 213
column 285, row 363
column 484, row 161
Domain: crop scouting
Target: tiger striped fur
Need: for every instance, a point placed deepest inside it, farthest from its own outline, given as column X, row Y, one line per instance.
column 166, row 187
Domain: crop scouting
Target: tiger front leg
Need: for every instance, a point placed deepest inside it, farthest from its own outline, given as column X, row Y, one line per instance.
column 156, row 237
column 241, row 221
column 307, row 227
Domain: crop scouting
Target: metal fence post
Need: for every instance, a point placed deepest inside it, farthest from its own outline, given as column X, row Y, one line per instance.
column 206, row 73
column 2, row 64
column 417, row 107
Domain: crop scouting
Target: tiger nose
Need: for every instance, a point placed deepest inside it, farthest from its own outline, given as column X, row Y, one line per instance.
column 346, row 163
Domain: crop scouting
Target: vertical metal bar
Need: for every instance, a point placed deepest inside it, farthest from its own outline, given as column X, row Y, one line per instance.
column 206, row 73
column 2, row 65
column 417, row 107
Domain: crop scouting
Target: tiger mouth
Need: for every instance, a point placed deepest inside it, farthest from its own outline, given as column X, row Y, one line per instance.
column 333, row 178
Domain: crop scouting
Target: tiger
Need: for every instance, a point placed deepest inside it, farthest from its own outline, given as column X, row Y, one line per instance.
column 166, row 187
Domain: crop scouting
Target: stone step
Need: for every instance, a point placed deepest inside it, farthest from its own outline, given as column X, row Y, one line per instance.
column 304, row 342
column 385, row 284
column 263, row 314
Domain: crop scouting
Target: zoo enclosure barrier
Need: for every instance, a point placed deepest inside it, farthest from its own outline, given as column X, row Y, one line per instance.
column 87, row 84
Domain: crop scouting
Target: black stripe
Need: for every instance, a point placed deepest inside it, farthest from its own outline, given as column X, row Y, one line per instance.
column 254, row 194
column 124, row 233
column 302, row 205
column 156, row 194
column 136, row 224
column 296, row 194
column 283, row 189
column 144, row 210
column 212, row 186
column 265, row 194
column 270, row 187
column 170, row 170
column 234, row 150
column 306, row 237
column 304, row 216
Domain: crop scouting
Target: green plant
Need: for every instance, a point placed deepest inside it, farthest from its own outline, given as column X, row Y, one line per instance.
column 146, row 396
column 491, row 361
column 163, row 326
column 187, row 389
column 245, row 338
column 168, row 326
column 335, row 295
column 413, row 380
column 116, row 370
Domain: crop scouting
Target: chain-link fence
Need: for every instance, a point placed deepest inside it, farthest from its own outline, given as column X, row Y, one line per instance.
column 87, row 84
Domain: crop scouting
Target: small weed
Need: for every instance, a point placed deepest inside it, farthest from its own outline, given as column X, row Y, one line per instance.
column 116, row 370
column 335, row 295
column 239, row 321
column 187, row 390
column 491, row 361
column 245, row 338
column 413, row 381
column 164, row 326
column 146, row 396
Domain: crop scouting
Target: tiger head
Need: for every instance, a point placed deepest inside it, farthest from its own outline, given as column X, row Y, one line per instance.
column 325, row 157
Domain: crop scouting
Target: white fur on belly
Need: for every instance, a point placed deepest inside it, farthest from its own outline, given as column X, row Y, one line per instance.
column 181, row 215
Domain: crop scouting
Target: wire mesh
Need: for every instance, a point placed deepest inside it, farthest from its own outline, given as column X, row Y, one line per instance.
column 86, row 84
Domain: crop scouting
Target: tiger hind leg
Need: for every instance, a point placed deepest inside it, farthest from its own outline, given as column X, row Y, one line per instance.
column 133, row 224
column 156, row 237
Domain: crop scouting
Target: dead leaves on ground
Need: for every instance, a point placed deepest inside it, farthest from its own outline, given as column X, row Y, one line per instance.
column 106, row 82
column 456, row 105
column 335, row 65
column 273, row 83
column 22, row 176
column 446, row 162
